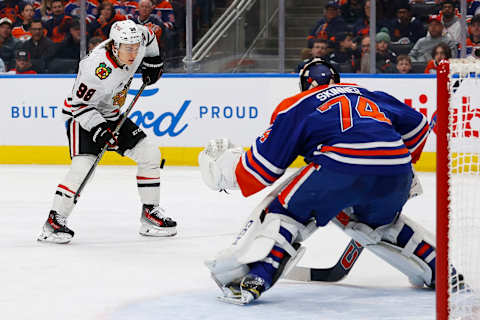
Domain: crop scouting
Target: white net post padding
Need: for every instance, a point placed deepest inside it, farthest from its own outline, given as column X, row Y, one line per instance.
column 464, row 189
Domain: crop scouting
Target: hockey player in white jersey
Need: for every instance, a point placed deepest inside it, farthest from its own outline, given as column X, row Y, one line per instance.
column 92, row 111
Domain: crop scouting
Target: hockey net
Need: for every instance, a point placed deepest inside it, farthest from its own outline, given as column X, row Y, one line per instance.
column 458, row 190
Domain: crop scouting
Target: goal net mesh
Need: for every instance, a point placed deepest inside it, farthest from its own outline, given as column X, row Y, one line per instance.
column 464, row 189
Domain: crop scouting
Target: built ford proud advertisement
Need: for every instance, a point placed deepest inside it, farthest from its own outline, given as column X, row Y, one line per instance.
column 179, row 112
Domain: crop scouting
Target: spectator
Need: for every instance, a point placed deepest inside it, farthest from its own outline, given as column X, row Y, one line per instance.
column 406, row 29
column 22, row 24
column 421, row 51
column 44, row 11
column 475, row 56
column 57, row 25
column 385, row 58
column 41, row 48
column 450, row 21
column 164, row 12
column 440, row 52
column 126, row 8
column 319, row 50
column 146, row 18
column 70, row 47
column 72, row 9
column 93, row 43
column 473, row 8
column 343, row 52
column 10, row 9
column 365, row 55
column 404, row 64
column 101, row 26
column 473, row 39
column 205, row 8
column 327, row 26
column 22, row 63
column 362, row 26
column 352, row 11
column 2, row 66
column 8, row 43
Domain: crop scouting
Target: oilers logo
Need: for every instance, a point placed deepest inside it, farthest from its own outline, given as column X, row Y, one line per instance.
column 102, row 71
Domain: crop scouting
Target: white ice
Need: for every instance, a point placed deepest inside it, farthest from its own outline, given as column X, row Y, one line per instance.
column 111, row 272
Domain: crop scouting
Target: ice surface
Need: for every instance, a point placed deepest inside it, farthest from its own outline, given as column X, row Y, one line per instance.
column 111, row 272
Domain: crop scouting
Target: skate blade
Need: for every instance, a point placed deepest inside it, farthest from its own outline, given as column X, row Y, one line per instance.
column 54, row 238
column 156, row 232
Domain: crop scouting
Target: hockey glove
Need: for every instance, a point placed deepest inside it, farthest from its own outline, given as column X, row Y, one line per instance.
column 152, row 69
column 103, row 135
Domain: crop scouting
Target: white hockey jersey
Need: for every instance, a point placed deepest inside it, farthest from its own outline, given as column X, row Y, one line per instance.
column 101, row 86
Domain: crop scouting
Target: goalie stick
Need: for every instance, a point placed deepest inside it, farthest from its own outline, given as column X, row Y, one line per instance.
column 115, row 132
column 339, row 270
column 349, row 256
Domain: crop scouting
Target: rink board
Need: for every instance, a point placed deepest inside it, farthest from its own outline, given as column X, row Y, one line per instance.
column 180, row 112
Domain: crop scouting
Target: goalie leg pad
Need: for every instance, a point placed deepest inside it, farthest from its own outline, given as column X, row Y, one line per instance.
column 266, row 240
column 403, row 244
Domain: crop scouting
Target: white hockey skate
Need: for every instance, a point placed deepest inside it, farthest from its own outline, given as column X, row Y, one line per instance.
column 155, row 224
column 55, row 229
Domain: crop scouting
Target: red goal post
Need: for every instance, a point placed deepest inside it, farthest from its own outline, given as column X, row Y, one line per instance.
column 458, row 190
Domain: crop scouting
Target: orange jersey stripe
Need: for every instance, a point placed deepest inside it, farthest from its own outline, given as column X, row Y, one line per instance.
column 418, row 137
column 355, row 152
column 248, row 183
column 283, row 195
column 259, row 169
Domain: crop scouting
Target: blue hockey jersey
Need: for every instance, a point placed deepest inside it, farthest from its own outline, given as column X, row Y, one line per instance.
column 344, row 127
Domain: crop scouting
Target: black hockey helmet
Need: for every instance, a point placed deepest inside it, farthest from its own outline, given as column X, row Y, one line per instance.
column 317, row 72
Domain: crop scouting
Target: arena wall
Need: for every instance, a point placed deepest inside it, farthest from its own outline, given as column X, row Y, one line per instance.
column 180, row 112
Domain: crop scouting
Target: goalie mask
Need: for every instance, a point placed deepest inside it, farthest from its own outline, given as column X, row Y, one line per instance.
column 126, row 32
column 317, row 72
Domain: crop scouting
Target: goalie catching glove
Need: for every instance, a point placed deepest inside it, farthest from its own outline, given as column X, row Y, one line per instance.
column 152, row 69
column 217, row 164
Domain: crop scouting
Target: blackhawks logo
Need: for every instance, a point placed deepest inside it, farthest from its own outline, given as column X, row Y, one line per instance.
column 103, row 71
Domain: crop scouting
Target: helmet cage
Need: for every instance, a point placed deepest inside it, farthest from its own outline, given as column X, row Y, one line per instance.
column 306, row 82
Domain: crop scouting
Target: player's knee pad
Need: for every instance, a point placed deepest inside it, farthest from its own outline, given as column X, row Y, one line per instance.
column 63, row 201
column 146, row 154
column 254, row 243
column 403, row 244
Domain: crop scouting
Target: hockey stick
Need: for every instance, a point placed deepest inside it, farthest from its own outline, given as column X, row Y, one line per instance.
column 115, row 132
column 333, row 274
column 349, row 256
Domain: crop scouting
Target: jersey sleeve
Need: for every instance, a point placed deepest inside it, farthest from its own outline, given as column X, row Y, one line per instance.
column 271, row 153
column 152, row 45
column 88, row 91
column 409, row 123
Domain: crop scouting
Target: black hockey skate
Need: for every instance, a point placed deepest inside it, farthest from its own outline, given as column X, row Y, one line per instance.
column 249, row 289
column 155, row 223
column 254, row 285
column 55, row 229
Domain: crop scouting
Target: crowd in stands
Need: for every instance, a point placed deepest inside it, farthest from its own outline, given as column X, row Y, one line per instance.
column 413, row 36
column 44, row 36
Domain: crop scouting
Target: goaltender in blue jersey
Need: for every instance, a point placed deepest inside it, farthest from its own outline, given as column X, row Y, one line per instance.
column 359, row 146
